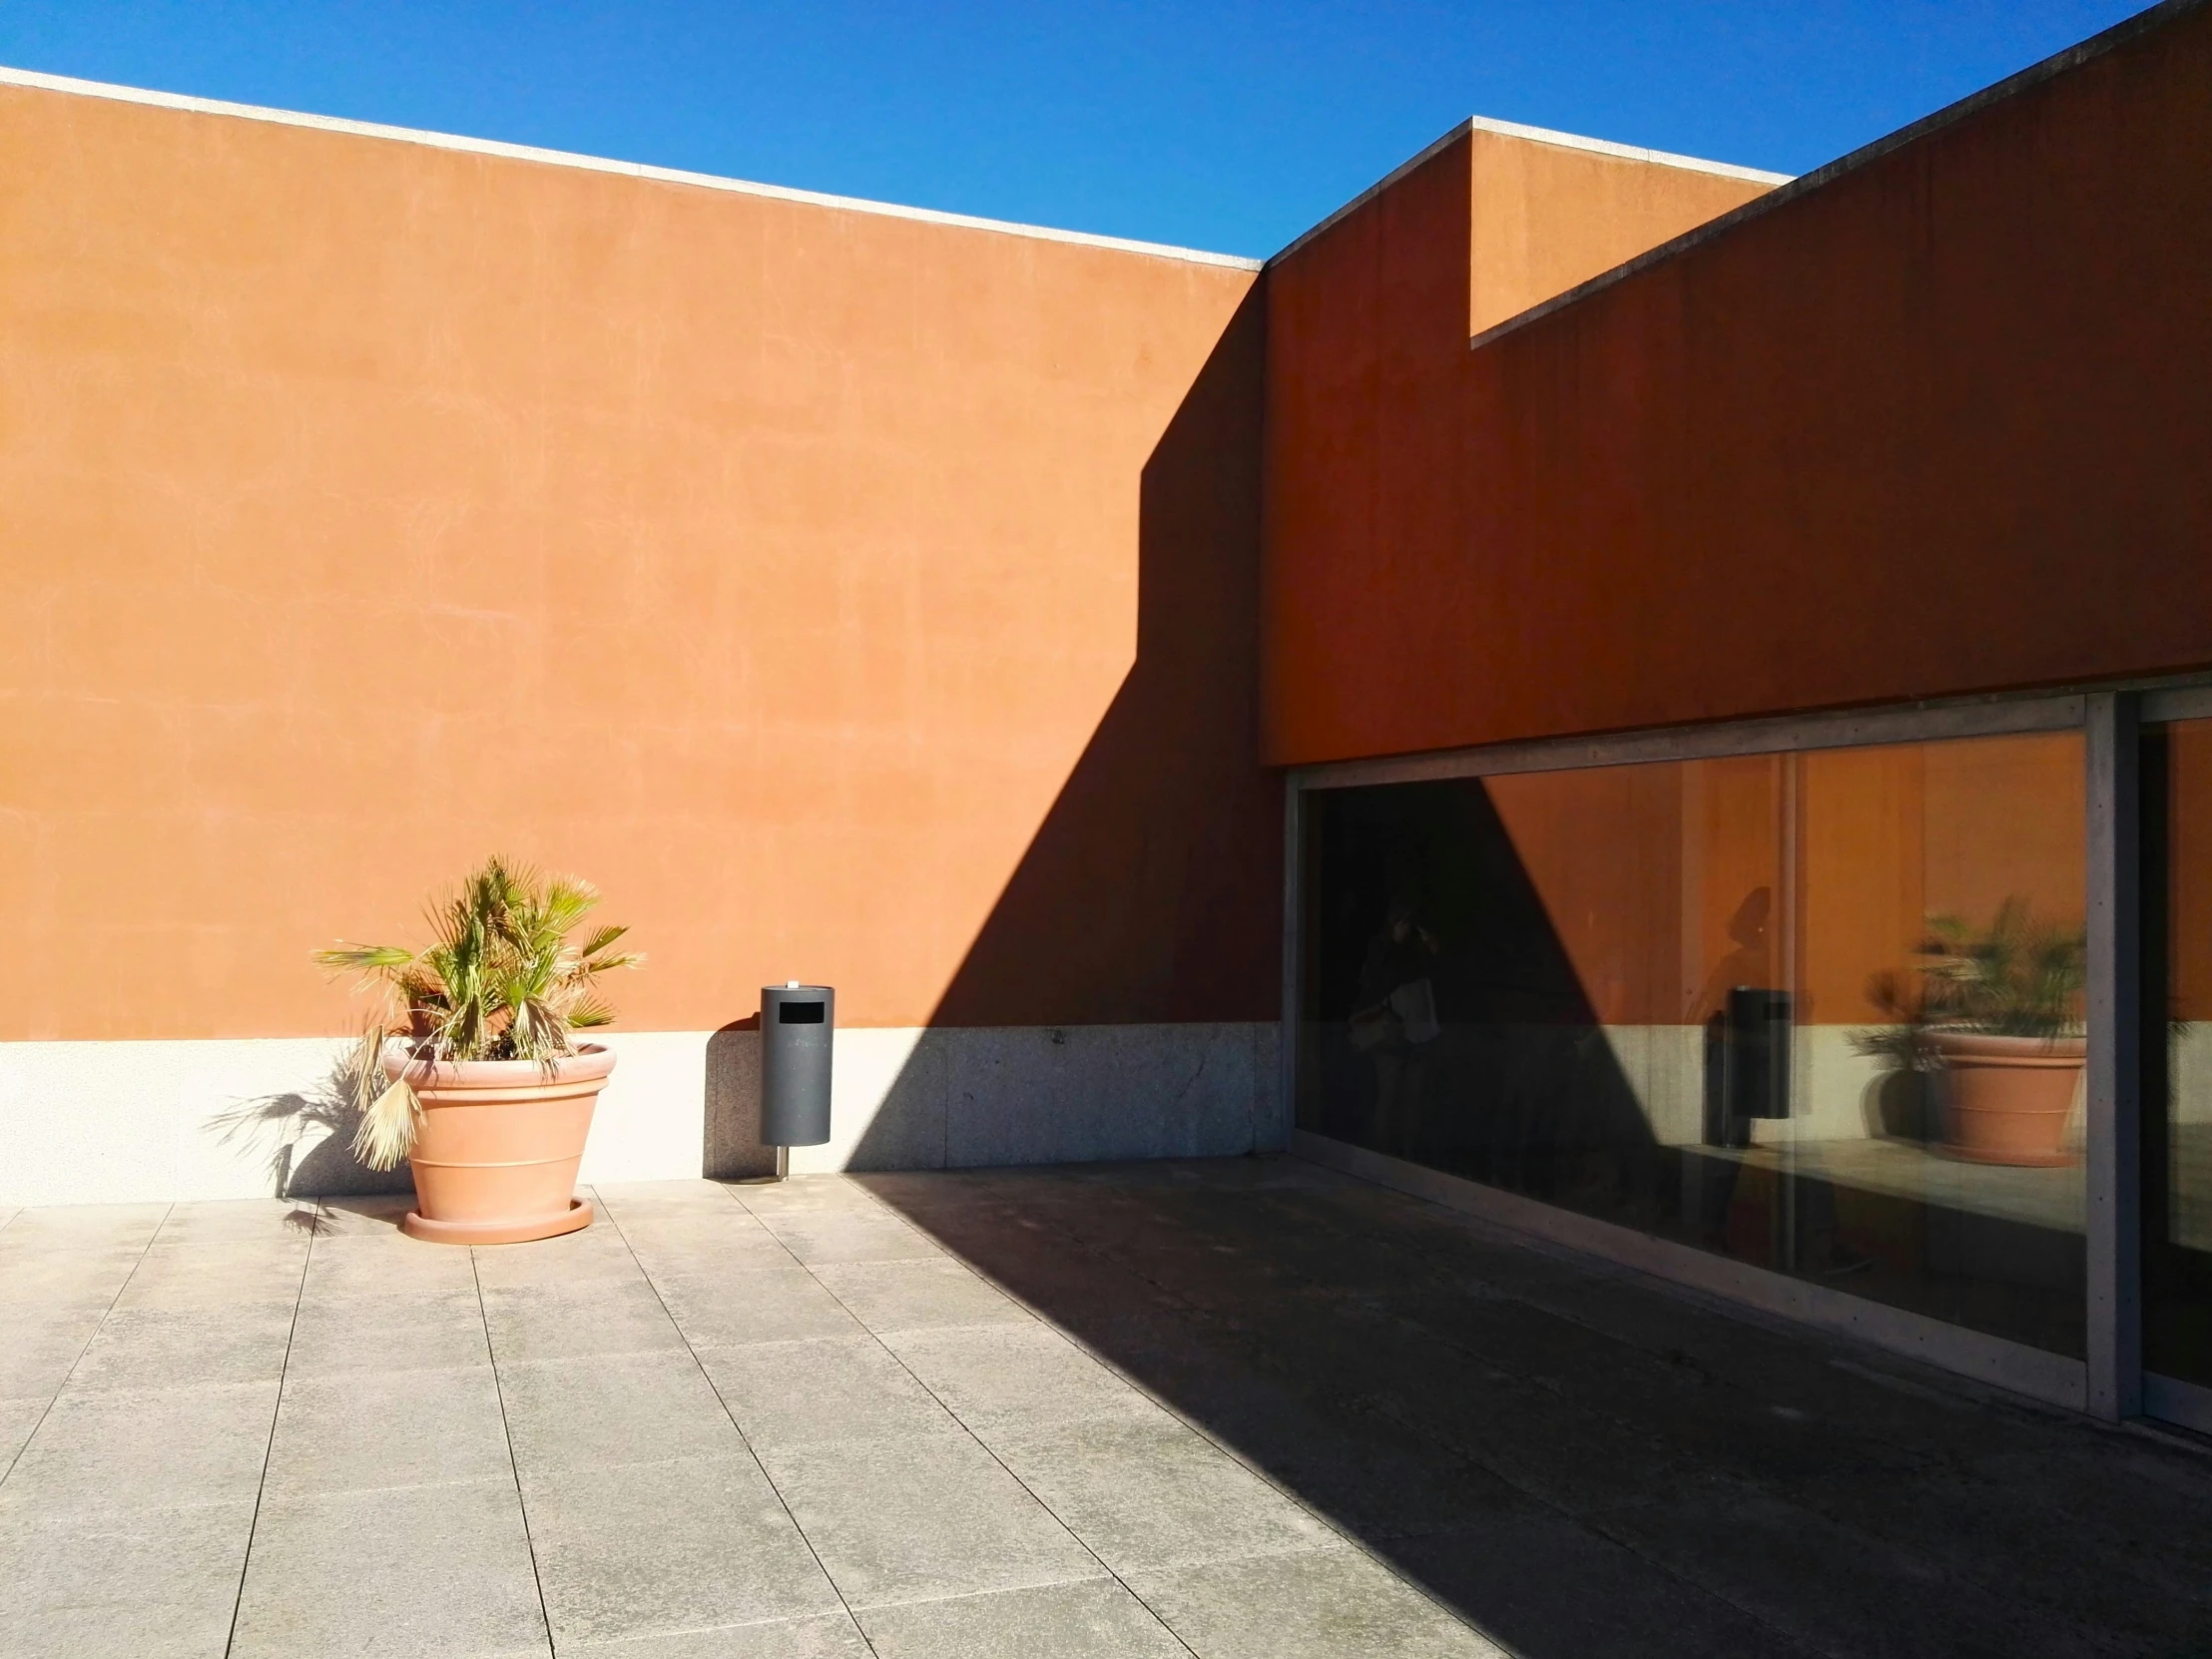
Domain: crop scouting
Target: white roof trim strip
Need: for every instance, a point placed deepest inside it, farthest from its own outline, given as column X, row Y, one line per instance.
column 1534, row 134
column 598, row 164
column 1627, row 152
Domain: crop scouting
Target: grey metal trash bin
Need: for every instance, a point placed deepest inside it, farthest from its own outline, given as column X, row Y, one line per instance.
column 797, row 1025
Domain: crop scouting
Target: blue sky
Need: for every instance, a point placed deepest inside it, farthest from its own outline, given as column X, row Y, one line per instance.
column 1227, row 125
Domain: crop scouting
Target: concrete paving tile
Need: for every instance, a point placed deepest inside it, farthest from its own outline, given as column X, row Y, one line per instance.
column 162, row 1348
column 1094, row 1619
column 805, row 1194
column 1318, row 1604
column 152, row 1584
column 824, row 1636
column 37, row 1280
column 734, row 1243
column 825, row 1388
column 424, row 1572
column 567, row 1415
column 999, row 1375
column 1146, row 1493
column 351, row 1265
column 915, row 1294
column 596, row 1251
column 647, row 1548
column 1521, row 1580
column 623, row 1197
column 2103, row 1531
column 818, row 1237
column 220, row 1274
column 1365, row 1469
column 395, row 1330
column 240, row 1221
column 570, row 1320
column 923, row 1515
column 773, row 1305
column 86, row 1225
column 362, row 1430
column 135, row 1449
column 42, row 1344
column 1833, row 1587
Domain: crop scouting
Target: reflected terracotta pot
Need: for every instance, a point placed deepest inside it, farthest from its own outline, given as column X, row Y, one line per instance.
column 495, row 1157
column 2006, row 1099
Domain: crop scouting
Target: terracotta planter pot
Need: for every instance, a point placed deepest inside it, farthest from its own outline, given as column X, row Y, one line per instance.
column 495, row 1158
column 2006, row 1099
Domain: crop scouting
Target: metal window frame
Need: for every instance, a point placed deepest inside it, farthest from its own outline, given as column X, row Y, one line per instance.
column 2111, row 1382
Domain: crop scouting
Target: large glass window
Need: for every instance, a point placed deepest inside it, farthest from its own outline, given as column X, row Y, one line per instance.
column 2177, row 1051
column 1816, row 1011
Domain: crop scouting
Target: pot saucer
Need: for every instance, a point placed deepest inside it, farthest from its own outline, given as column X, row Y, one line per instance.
column 418, row 1226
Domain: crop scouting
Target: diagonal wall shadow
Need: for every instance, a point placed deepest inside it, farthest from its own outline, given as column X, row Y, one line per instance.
column 1151, row 890
column 1150, row 894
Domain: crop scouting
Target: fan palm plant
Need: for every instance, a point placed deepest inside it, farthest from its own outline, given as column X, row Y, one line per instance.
column 500, row 980
column 2018, row 977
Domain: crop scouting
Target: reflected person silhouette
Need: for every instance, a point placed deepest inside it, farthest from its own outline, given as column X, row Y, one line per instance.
column 1396, row 1021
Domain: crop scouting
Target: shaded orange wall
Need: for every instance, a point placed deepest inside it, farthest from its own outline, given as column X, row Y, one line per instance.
column 366, row 506
column 1936, row 426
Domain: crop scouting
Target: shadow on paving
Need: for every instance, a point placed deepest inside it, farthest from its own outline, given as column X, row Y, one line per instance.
column 1579, row 1463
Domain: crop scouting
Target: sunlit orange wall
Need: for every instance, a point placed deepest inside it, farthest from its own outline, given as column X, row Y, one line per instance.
column 1936, row 426
column 366, row 506
column 1545, row 217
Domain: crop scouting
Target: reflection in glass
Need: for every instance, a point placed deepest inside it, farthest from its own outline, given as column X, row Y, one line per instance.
column 1819, row 1012
column 2177, row 1053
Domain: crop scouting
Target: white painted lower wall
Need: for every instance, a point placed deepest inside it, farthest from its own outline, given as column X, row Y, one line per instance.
column 133, row 1122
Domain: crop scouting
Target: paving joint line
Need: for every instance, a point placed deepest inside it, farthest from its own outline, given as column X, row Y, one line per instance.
column 966, row 1428
column 744, row 1439
column 1347, row 1539
column 99, row 1324
column 269, row 1448
column 514, row 1469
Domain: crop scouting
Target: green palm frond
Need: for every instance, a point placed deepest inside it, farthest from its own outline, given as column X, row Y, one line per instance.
column 499, row 980
column 363, row 958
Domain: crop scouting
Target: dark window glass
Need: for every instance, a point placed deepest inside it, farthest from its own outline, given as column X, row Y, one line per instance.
column 1819, row 1012
column 2177, row 1051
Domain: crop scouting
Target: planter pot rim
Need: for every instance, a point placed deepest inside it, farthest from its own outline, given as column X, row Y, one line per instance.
column 1985, row 1045
column 590, row 1061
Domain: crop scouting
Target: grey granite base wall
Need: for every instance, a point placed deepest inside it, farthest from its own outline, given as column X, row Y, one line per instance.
column 137, row 1121
column 968, row 1096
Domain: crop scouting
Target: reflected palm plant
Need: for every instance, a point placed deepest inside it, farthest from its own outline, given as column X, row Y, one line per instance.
column 500, row 980
column 2018, row 977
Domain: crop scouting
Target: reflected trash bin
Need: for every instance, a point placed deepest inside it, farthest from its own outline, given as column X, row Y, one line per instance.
column 798, row 1023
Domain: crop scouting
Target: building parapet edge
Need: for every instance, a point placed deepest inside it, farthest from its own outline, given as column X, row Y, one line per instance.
column 38, row 79
column 2087, row 51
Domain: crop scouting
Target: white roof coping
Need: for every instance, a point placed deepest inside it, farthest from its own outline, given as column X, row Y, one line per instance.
column 1533, row 134
column 598, row 164
column 1626, row 152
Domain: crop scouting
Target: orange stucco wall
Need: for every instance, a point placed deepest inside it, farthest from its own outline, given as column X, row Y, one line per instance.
column 1933, row 427
column 366, row 506
column 1545, row 217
